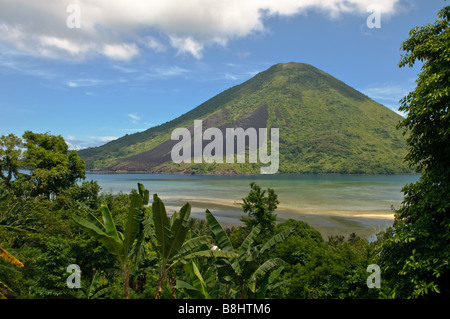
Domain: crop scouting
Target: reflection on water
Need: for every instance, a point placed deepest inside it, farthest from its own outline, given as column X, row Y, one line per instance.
column 333, row 203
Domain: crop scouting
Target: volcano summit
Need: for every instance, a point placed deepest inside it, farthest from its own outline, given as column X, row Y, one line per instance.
column 325, row 126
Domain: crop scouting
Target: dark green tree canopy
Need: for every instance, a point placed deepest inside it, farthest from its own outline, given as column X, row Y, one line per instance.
column 53, row 166
column 427, row 120
column 10, row 157
column 415, row 253
column 260, row 208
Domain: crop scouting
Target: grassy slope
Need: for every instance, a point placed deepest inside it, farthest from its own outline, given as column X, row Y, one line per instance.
column 325, row 126
column 329, row 127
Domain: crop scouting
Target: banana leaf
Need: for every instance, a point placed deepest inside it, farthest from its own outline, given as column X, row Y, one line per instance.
column 10, row 258
column 179, row 230
column 108, row 222
column 162, row 226
column 191, row 245
column 113, row 245
column 145, row 194
column 278, row 238
column 244, row 249
column 133, row 224
column 219, row 234
column 266, row 267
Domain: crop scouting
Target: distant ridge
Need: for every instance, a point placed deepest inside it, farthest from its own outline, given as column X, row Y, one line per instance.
column 325, row 127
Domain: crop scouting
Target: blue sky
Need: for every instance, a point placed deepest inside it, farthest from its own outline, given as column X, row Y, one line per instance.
column 135, row 64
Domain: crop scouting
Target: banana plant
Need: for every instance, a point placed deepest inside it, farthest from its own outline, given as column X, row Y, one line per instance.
column 172, row 244
column 245, row 269
column 126, row 246
column 196, row 284
column 93, row 291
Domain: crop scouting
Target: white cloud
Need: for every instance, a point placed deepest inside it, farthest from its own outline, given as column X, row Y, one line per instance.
column 69, row 46
column 167, row 71
column 90, row 141
column 134, row 117
column 104, row 138
column 187, row 45
column 84, row 82
column 18, row 62
column 154, row 44
column 389, row 94
column 120, row 51
column 120, row 29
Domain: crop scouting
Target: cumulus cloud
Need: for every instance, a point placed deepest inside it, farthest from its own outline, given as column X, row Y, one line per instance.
column 121, row 29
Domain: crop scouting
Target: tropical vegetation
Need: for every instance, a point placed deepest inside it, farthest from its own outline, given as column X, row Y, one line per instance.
column 130, row 246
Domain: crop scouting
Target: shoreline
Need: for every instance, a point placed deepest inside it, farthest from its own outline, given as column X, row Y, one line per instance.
column 361, row 205
column 180, row 173
column 365, row 223
column 285, row 209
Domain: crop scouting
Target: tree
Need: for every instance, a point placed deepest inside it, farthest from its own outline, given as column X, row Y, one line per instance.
column 196, row 284
column 10, row 157
column 170, row 234
column 260, row 208
column 172, row 243
column 248, row 269
column 415, row 252
column 126, row 246
column 52, row 166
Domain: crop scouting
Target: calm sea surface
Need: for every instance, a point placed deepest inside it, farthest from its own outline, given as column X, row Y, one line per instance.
column 332, row 203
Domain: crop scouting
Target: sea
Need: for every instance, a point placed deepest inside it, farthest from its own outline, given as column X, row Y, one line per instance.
column 334, row 204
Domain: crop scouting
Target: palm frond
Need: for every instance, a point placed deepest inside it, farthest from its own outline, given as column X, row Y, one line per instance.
column 10, row 258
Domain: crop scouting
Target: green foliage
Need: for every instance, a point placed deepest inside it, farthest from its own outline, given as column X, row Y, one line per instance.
column 51, row 265
column 96, row 289
column 10, row 157
column 260, row 208
column 127, row 249
column 318, row 269
column 294, row 262
column 172, row 232
column 428, row 118
column 124, row 246
column 246, row 269
column 195, row 286
column 84, row 196
column 174, row 247
column 52, row 166
column 415, row 253
column 170, row 235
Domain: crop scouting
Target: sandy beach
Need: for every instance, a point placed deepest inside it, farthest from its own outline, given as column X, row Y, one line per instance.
column 365, row 223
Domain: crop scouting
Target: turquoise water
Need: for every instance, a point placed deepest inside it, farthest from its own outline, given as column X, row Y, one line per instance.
column 334, row 203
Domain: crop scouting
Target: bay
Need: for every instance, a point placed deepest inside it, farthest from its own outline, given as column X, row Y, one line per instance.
column 334, row 204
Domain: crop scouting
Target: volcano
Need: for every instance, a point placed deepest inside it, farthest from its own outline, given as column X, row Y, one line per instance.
column 325, row 126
